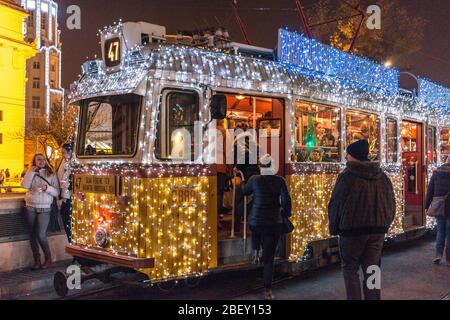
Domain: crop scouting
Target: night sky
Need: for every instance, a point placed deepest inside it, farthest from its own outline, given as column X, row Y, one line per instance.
column 433, row 61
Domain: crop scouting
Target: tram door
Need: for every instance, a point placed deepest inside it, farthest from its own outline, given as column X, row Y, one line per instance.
column 412, row 160
column 259, row 119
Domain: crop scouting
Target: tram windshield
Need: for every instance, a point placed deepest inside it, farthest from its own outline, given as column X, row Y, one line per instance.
column 109, row 126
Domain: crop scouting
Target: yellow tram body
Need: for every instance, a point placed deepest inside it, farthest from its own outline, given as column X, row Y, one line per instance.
column 161, row 218
column 179, row 240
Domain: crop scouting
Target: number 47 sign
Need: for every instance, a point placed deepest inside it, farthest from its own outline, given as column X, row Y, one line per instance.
column 112, row 52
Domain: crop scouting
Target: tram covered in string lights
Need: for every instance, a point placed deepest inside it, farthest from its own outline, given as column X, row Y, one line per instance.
column 136, row 206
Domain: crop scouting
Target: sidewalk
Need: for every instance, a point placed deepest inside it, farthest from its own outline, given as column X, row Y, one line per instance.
column 24, row 282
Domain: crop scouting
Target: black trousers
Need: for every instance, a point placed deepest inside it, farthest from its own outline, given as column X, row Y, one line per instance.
column 66, row 214
column 268, row 236
column 360, row 252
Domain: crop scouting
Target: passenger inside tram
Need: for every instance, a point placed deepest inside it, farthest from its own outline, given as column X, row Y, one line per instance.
column 364, row 126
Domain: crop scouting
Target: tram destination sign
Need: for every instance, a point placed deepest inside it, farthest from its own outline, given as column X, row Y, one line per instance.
column 95, row 184
column 112, row 52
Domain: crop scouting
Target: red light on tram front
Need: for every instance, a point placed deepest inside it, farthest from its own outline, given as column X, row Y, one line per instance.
column 104, row 216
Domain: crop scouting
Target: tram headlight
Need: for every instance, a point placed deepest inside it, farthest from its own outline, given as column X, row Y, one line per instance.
column 101, row 238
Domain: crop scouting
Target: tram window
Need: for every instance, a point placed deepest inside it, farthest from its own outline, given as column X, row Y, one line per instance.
column 445, row 144
column 431, row 145
column 392, row 141
column 178, row 117
column 317, row 133
column 364, row 126
column 108, row 126
column 409, row 137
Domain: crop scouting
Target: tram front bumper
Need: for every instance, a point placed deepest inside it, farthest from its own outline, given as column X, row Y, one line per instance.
column 110, row 258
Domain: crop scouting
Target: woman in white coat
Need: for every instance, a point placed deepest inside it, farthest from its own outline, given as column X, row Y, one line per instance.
column 43, row 187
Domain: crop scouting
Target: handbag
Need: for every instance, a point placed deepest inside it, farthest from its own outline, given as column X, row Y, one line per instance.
column 437, row 206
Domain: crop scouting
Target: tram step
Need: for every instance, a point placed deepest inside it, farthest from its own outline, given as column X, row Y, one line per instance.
column 234, row 250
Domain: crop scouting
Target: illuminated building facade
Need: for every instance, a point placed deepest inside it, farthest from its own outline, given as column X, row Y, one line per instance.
column 44, row 70
column 14, row 52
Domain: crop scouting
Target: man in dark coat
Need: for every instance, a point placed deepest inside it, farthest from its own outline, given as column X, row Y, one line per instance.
column 439, row 186
column 361, row 210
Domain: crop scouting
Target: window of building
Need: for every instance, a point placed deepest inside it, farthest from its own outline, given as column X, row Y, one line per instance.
column 36, row 65
column 30, row 20
column 445, row 143
column 364, row 126
column 431, row 145
column 391, row 140
column 54, row 30
column 1, row 115
column 36, row 83
column 1, row 138
column 317, row 133
column 36, row 102
column 175, row 138
column 44, row 17
column 52, row 83
column 52, row 67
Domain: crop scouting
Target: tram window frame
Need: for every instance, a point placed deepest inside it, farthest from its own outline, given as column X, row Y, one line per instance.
column 298, row 132
column 388, row 137
column 162, row 127
column 434, row 159
column 378, row 130
column 80, row 149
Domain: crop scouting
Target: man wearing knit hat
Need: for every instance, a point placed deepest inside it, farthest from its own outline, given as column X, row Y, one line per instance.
column 361, row 210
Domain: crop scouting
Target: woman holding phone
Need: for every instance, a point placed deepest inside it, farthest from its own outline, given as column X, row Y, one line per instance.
column 43, row 187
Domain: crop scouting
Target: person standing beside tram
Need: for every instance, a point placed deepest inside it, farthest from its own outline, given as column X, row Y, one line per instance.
column 361, row 210
column 271, row 202
column 439, row 186
column 65, row 183
column 43, row 186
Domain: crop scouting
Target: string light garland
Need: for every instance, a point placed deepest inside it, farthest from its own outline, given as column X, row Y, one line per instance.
column 177, row 233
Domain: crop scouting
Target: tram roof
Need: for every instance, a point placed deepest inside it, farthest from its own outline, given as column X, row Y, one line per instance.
column 192, row 65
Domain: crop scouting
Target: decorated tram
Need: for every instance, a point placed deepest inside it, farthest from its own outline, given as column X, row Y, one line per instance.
column 150, row 102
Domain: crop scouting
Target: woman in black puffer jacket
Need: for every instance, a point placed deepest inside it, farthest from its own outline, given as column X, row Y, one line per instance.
column 439, row 186
column 271, row 200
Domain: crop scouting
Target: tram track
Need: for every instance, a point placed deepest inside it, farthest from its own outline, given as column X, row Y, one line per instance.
column 93, row 293
column 241, row 286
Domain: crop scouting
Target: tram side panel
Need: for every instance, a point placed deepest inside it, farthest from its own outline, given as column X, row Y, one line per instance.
column 165, row 218
column 311, row 192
